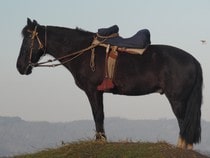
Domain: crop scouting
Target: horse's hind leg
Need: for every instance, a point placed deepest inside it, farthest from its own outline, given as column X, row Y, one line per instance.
column 179, row 109
column 96, row 102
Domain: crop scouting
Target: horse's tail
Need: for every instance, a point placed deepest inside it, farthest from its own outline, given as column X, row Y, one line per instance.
column 192, row 122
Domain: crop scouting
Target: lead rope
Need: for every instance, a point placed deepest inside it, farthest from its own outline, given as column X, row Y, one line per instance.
column 95, row 42
column 92, row 60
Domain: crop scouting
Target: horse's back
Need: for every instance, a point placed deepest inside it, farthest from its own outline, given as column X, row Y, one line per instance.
column 171, row 52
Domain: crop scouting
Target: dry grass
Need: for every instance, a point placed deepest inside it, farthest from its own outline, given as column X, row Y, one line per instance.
column 92, row 149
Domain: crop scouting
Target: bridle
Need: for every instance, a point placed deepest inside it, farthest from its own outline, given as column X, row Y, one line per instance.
column 34, row 35
column 63, row 59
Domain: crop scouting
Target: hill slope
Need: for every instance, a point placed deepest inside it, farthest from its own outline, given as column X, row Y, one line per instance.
column 91, row 149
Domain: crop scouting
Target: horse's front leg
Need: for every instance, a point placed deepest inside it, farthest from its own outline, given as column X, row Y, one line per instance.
column 96, row 102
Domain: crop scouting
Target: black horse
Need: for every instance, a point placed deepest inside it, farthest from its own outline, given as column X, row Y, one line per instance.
column 161, row 68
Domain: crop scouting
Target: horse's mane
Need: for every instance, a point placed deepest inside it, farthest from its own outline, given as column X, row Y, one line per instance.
column 82, row 30
column 57, row 28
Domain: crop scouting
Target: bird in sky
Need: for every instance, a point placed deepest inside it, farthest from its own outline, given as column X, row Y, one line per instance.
column 203, row 41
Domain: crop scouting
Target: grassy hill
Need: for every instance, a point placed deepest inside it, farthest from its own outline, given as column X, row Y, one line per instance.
column 92, row 149
column 18, row 136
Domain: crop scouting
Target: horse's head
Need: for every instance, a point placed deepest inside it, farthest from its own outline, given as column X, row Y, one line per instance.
column 32, row 48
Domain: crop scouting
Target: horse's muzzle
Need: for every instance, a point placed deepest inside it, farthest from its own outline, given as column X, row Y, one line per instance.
column 24, row 70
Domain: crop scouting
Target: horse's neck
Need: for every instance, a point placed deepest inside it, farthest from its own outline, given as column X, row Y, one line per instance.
column 61, row 41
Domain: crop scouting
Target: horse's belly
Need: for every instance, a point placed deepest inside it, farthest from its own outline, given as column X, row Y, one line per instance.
column 137, row 90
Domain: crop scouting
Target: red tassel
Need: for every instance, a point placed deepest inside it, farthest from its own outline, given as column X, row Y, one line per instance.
column 105, row 85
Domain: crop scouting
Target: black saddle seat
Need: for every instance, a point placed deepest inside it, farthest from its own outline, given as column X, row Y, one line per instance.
column 108, row 31
column 140, row 40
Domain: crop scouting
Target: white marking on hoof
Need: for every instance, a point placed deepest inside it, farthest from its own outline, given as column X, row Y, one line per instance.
column 189, row 146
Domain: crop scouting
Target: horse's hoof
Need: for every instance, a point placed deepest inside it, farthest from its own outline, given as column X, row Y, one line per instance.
column 100, row 137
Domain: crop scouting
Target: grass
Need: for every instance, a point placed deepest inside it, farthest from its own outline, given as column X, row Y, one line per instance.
column 92, row 149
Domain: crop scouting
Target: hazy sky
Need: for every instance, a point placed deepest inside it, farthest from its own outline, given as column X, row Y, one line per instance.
column 50, row 94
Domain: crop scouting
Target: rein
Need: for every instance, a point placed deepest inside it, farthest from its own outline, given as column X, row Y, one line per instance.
column 72, row 56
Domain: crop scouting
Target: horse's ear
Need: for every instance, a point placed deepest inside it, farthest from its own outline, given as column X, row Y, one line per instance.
column 35, row 22
column 29, row 22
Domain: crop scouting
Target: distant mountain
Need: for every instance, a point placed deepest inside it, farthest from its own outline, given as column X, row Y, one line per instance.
column 18, row 136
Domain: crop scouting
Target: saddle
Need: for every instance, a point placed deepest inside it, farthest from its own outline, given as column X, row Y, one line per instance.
column 110, row 39
column 138, row 41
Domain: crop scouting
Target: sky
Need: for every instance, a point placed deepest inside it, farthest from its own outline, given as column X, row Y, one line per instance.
column 50, row 94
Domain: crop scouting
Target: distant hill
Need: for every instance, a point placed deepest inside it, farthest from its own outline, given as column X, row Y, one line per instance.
column 18, row 136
